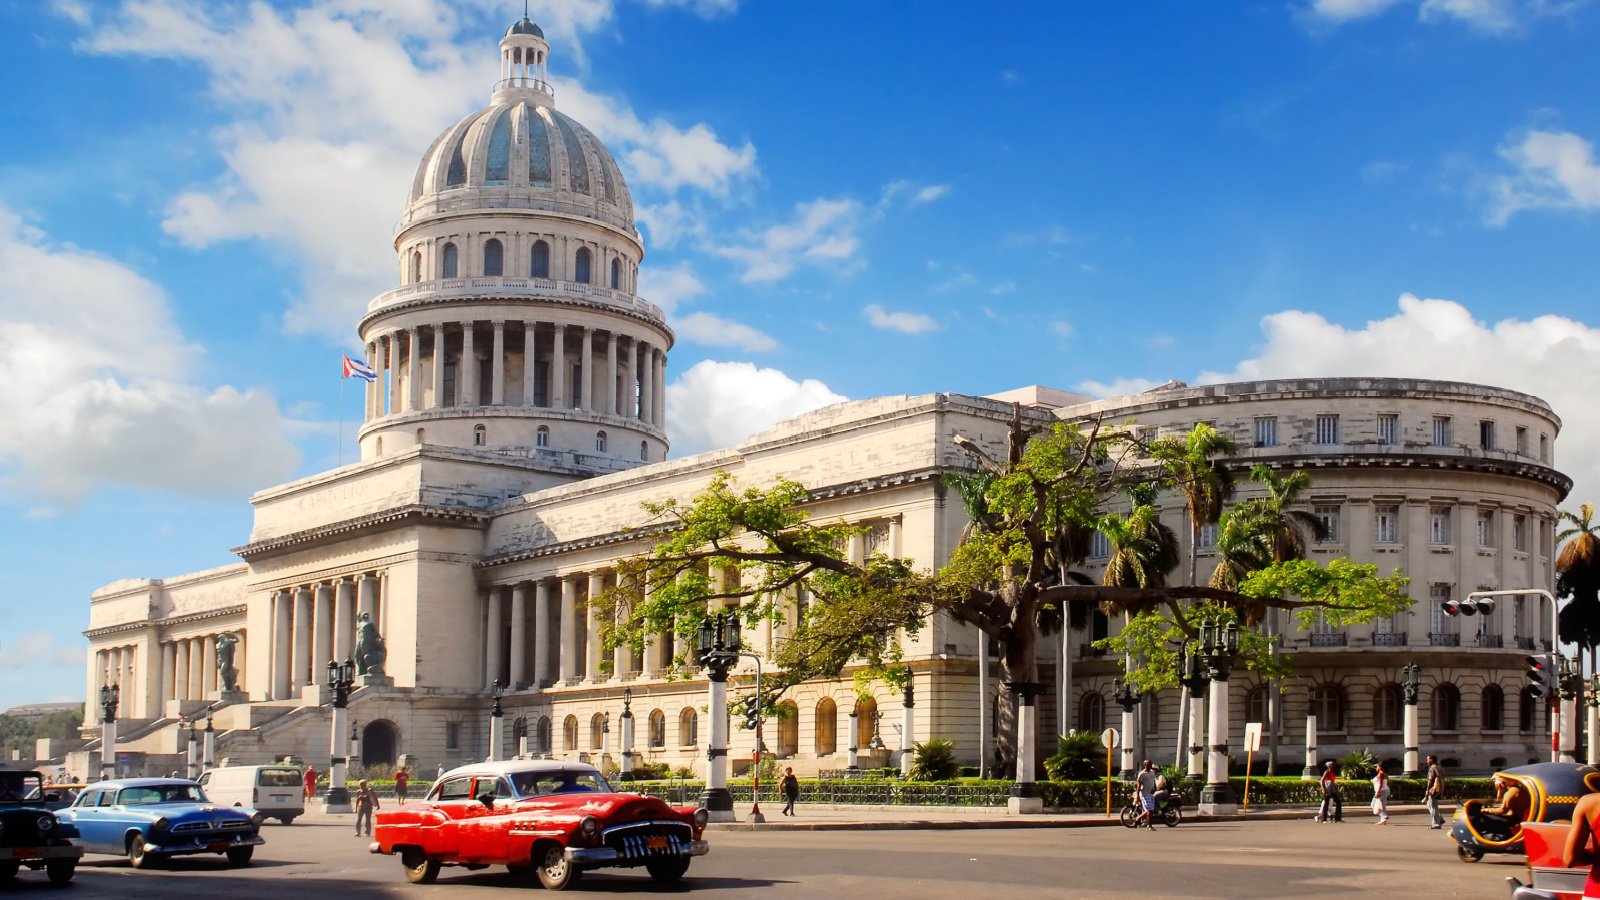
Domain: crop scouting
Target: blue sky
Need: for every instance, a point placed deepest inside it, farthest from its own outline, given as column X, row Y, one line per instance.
column 840, row 200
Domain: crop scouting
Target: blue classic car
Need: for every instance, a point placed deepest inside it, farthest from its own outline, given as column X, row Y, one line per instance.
column 151, row 819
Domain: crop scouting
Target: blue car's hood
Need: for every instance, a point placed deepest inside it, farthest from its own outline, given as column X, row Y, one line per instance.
column 178, row 811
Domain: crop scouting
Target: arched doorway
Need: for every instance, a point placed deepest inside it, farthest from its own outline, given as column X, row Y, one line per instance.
column 378, row 740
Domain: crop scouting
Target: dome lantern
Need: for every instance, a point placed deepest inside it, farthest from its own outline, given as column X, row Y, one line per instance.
column 523, row 59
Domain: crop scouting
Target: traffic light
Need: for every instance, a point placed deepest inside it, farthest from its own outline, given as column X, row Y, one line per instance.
column 1539, row 674
column 752, row 711
column 1468, row 607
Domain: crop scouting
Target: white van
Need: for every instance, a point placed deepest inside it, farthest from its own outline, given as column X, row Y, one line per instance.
column 276, row 792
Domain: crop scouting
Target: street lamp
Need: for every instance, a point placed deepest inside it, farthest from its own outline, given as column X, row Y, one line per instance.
column 1555, row 641
column 877, row 731
column 1129, row 698
column 908, row 725
column 191, row 760
column 497, row 716
column 208, row 748
column 1411, row 691
column 627, row 734
column 718, row 646
column 109, row 696
column 1219, row 643
column 1194, row 681
column 341, row 679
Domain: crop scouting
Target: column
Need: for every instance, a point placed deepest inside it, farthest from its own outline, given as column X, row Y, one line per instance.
column 542, row 657
column 169, row 665
column 610, row 406
column 1412, row 762
column 659, row 358
column 621, row 655
column 324, row 628
column 181, row 669
column 597, row 585
column 344, row 620
column 497, row 365
column 395, row 384
column 519, row 636
column 367, row 596
column 630, row 386
column 196, row 669
column 1024, row 790
column 1309, row 773
column 467, row 369
column 208, row 665
column 1217, row 798
column 647, row 385
column 438, row 366
column 558, row 369
column 586, row 370
column 413, row 369
column 380, row 394
column 1197, row 734
column 494, row 628
column 852, row 752
column 370, row 388
column 570, row 652
column 530, row 365
column 300, row 665
column 282, row 642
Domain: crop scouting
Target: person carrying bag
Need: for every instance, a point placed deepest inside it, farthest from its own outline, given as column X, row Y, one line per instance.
column 1380, row 795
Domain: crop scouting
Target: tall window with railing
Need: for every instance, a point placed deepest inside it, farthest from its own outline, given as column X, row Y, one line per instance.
column 1441, row 431
column 1439, row 526
column 1266, row 431
column 1485, row 528
column 1444, row 631
column 1386, row 524
column 1328, row 515
column 1486, row 435
column 1328, row 428
column 1388, row 428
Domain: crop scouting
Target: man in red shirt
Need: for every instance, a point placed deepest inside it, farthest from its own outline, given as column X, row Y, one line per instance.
column 401, row 779
column 311, row 782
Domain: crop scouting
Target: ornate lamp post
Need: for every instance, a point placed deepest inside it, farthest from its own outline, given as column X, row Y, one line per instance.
column 718, row 646
column 1194, row 681
column 908, row 724
column 1570, row 685
column 208, row 748
column 1593, row 730
column 109, row 695
column 191, row 756
column 876, row 743
column 1411, row 688
column 1129, row 698
column 1309, row 773
column 627, row 733
column 341, row 678
column 1219, row 642
column 355, row 741
column 497, row 715
column 853, row 752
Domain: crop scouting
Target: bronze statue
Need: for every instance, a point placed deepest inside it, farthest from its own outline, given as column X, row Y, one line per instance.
column 227, row 673
column 370, row 651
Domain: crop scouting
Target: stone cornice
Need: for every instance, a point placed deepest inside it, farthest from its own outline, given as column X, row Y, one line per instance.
column 237, row 609
column 1448, row 458
column 412, row 513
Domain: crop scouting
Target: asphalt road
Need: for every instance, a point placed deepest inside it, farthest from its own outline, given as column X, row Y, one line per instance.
column 1267, row 859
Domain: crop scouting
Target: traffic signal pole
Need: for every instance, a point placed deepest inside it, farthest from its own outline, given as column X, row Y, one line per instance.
column 1554, row 653
column 755, row 781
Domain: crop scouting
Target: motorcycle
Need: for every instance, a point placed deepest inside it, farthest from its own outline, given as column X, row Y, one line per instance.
column 1169, row 810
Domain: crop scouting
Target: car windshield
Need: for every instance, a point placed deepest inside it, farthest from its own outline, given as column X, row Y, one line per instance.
column 284, row 778
column 161, row 793
column 17, row 785
column 559, row 781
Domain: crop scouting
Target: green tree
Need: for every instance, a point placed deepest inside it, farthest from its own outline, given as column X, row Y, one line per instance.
column 1205, row 486
column 1578, row 576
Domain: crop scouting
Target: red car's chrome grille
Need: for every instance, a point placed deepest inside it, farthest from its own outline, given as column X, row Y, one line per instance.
column 642, row 840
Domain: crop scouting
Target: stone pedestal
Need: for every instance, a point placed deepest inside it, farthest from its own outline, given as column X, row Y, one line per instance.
column 375, row 681
column 228, row 697
column 335, row 805
column 1024, row 805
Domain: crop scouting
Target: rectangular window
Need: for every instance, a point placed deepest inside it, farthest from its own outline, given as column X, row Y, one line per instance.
column 1147, row 435
column 1519, row 533
column 1388, row 428
column 1441, row 431
column 1544, row 448
column 1099, row 546
column 1485, row 528
column 1519, row 621
column 452, row 736
column 1327, row 429
column 1386, row 522
column 1439, row 526
column 1438, row 594
column 1266, row 431
column 1522, row 441
column 1329, row 516
column 1208, row 536
column 1486, row 435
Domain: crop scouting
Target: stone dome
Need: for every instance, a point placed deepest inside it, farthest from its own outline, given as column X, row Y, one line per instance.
column 524, row 26
column 520, row 153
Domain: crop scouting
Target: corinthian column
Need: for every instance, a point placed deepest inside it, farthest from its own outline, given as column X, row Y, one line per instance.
column 300, row 666
column 597, row 584
column 660, row 369
column 181, row 670
column 530, row 363
column 558, row 369
column 542, row 645
column 494, row 628
column 497, row 366
column 571, row 654
column 647, row 385
column 610, row 381
column 467, row 371
column 438, row 367
column 324, row 627
column 413, row 369
column 282, row 641
column 586, row 370
column 630, row 384
column 519, row 636
column 344, row 619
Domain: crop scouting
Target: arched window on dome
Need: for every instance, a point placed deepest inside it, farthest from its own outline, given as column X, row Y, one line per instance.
column 644, row 451
column 539, row 264
column 416, row 266
column 580, row 266
column 480, row 436
column 422, row 436
column 541, row 438
column 600, row 441
column 452, row 262
column 494, row 258
column 616, row 274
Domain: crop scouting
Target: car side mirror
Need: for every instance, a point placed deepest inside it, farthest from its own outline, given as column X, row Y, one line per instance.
column 487, row 800
column 53, row 796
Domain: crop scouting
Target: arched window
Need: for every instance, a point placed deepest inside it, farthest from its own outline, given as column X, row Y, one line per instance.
column 380, row 446
column 1527, row 709
column 788, row 728
column 494, row 258
column 658, row 728
column 452, row 261
column 542, row 736
column 600, row 441
column 480, row 436
column 379, row 740
column 1388, row 708
column 1255, row 704
column 827, row 728
column 1327, row 701
column 644, row 451
column 416, row 266
column 1092, row 713
column 688, row 728
column 597, row 731
column 1446, row 708
column 569, row 733
column 616, row 274
column 539, row 265
column 580, row 267
column 1494, row 708
column 422, row 436
column 541, row 437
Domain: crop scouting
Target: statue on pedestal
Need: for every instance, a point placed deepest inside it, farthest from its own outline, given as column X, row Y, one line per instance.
column 227, row 672
column 370, row 652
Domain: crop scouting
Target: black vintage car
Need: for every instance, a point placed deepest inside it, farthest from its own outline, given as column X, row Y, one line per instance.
column 30, row 834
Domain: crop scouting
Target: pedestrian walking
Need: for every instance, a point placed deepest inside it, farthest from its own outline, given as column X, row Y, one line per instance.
column 1380, row 795
column 402, row 779
column 311, row 782
column 790, row 789
column 1434, row 792
column 366, row 800
column 1332, row 809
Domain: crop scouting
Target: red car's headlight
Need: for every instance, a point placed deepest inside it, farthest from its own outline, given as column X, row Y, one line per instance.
column 590, row 826
column 700, row 818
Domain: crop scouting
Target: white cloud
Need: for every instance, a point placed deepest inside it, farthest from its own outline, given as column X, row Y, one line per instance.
column 903, row 322
column 667, row 223
column 101, row 386
column 822, row 233
column 1346, row 10
column 1004, row 287
column 667, row 286
column 706, row 9
column 1117, row 387
column 35, row 649
column 657, row 153
column 1490, row 16
column 909, row 193
column 956, row 283
column 715, row 331
column 1554, row 358
column 1049, row 235
column 1060, row 328
column 1551, row 170
column 719, row 404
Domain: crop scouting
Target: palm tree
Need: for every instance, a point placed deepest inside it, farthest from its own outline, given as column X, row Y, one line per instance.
column 1205, row 485
column 1578, row 577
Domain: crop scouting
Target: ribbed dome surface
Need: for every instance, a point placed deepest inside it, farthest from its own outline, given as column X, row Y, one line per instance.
column 537, row 157
column 525, row 26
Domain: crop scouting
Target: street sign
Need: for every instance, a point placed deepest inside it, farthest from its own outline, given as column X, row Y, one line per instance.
column 1108, row 738
column 1252, row 736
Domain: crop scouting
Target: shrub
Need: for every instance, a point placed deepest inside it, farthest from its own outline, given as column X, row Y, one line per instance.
column 1358, row 764
column 649, row 771
column 934, row 760
column 1079, row 756
column 683, row 772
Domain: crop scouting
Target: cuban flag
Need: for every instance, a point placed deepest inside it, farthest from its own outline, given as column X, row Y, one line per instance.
column 354, row 368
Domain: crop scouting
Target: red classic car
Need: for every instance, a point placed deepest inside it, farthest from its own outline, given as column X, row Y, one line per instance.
column 537, row 817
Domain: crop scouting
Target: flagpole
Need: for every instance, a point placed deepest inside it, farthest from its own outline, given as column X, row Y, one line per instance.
column 342, row 380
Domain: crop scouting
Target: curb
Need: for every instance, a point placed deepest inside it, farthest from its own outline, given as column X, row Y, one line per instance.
column 1012, row 822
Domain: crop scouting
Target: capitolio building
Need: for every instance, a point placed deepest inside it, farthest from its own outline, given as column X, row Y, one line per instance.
column 517, row 424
